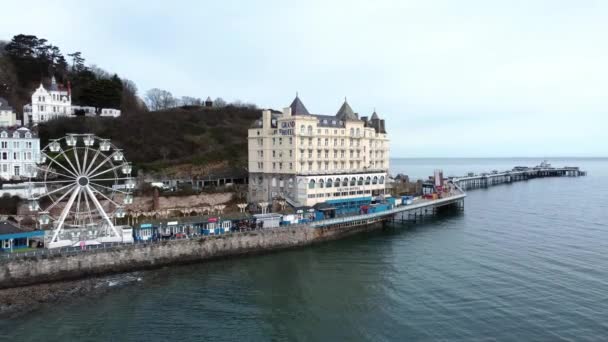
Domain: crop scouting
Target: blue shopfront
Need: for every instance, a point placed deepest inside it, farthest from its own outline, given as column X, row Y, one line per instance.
column 12, row 237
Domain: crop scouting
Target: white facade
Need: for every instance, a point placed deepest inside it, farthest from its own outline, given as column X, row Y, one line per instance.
column 8, row 117
column 19, row 150
column 47, row 104
column 300, row 156
column 55, row 102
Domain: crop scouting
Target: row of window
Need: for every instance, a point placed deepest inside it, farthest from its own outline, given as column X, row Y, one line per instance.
column 323, row 166
column 16, row 155
column 320, row 184
column 16, row 169
column 16, row 144
column 309, row 130
column 338, row 194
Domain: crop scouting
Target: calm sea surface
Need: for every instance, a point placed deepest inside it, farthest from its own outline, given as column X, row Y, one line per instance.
column 524, row 262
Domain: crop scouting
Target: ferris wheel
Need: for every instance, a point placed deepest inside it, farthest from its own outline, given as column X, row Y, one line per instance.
column 85, row 182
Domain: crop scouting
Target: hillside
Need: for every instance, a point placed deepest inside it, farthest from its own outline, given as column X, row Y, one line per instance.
column 26, row 61
column 157, row 140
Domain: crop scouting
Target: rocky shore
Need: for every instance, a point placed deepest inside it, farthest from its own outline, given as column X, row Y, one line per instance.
column 17, row 301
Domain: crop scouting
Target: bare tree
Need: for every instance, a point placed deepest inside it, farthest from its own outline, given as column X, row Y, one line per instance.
column 159, row 99
column 190, row 101
column 99, row 72
column 219, row 102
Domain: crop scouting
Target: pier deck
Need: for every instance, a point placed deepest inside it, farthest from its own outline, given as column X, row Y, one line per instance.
column 489, row 179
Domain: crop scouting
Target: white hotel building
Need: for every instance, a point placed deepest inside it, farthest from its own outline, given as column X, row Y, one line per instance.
column 309, row 159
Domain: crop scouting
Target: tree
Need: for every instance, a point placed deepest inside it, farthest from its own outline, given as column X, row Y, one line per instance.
column 159, row 99
column 219, row 102
column 190, row 101
column 77, row 61
column 129, row 102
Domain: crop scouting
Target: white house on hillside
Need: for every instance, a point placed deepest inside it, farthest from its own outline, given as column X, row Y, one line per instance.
column 48, row 104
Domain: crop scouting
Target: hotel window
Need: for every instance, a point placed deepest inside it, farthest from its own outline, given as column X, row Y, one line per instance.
column 326, row 154
column 302, row 154
column 309, row 141
column 29, row 156
column 342, row 165
column 352, row 131
column 15, row 144
column 345, row 182
column 326, row 165
column 262, row 154
column 280, row 166
column 335, row 154
column 4, row 144
column 290, row 153
column 360, row 181
column 341, row 142
column 351, row 164
column 329, row 183
column 290, row 140
column 335, row 165
column 274, row 141
column 274, row 166
column 302, row 129
column 326, row 130
column 310, row 154
column 15, row 156
column 318, row 154
column 321, row 184
column 274, row 154
column 280, row 141
column 326, row 142
column 291, row 166
column 358, row 132
column 318, row 141
column 311, row 184
column 310, row 130
column 4, row 168
column 309, row 166
column 335, row 142
column 335, row 130
column 351, row 154
column 318, row 165
column 342, row 154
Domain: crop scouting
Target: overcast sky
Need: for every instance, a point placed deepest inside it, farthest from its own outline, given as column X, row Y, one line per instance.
column 452, row 78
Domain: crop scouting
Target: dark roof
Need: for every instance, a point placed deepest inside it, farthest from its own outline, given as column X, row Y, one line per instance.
column 375, row 116
column 298, row 108
column 346, row 113
column 4, row 104
column 9, row 228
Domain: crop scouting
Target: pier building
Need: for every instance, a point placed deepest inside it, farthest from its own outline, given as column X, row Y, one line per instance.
column 311, row 158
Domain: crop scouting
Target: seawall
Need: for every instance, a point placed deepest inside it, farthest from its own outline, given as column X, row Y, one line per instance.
column 58, row 267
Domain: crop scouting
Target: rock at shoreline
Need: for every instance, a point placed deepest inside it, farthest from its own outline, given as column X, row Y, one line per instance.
column 21, row 300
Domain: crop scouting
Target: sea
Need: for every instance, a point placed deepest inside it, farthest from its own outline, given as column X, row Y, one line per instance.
column 526, row 261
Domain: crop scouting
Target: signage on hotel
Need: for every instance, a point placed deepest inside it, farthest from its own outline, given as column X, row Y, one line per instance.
column 286, row 127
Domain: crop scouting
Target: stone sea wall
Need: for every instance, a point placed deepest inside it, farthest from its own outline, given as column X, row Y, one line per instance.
column 50, row 268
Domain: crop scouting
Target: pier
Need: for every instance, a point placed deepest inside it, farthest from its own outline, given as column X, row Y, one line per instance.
column 485, row 180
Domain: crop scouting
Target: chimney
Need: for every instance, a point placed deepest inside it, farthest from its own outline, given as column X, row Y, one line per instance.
column 287, row 112
column 266, row 117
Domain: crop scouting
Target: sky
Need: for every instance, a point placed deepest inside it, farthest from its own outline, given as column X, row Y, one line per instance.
column 451, row 78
